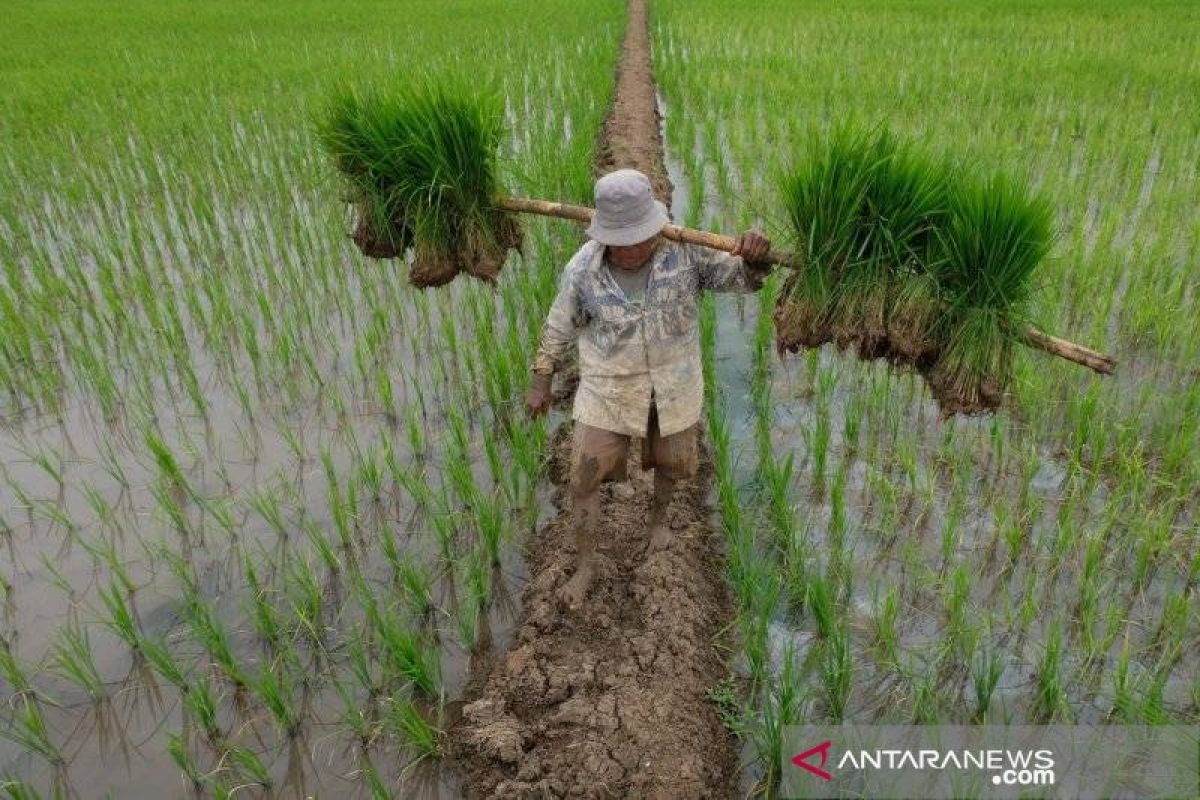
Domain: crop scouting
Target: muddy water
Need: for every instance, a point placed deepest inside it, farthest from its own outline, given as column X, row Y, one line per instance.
column 898, row 460
column 54, row 572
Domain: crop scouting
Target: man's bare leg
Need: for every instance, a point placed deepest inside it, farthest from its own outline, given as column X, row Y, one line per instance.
column 585, row 512
column 660, row 531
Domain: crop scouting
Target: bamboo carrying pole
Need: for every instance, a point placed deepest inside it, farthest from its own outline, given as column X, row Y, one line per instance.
column 1076, row 353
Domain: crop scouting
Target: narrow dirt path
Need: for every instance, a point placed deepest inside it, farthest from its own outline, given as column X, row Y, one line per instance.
column 611, row 701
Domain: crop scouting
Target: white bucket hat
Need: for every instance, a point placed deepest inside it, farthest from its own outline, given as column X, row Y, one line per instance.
column 626, row 211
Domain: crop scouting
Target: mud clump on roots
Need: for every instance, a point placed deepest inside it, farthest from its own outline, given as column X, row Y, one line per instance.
column 481, row 254
column 431, row 268
column 968, row 398
column 799, row 326
column 376, row 241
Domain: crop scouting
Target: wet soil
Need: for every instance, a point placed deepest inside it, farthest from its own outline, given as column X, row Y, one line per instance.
column 630, row 136
column 612, row 700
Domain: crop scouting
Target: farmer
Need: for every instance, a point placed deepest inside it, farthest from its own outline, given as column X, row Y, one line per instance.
column 631, row 297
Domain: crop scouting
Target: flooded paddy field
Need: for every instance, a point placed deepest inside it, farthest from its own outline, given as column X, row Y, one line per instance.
column 1038, row 565
column 260, row 502
column 264, row 508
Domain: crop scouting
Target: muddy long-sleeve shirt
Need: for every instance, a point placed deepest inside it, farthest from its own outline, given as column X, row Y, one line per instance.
column 629, row 349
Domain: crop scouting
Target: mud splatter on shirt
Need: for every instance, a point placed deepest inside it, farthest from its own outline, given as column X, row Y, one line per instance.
column 628, row 350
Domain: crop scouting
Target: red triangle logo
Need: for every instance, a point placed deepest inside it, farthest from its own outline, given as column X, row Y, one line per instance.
column 802, row 760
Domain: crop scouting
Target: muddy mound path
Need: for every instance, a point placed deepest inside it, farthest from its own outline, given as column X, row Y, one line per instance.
column 611, row 700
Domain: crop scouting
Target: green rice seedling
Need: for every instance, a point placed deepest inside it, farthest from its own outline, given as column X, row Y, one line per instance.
column 1153, row 540
column 210, row 632
column 902, row 206
column 15, row 674
column 425, row 737
column 265, row 503
column 796, row 571
column 202, row 704
column 822, row 198
column 276, row 689
column 306, row 598
column 1050, row 699
column 414, row 483
column 916, row 318
column 986, row 670
column 852, row 418
column 408, row 656
column 446, row 533
column 956, row 595
column 415, row 582
column 168, row 466
column 818, row 439
column 758, row 588
column 1172, row 623
column 478, row 583
column 491, row 452
column 72, row 658
column 838, row 522
column 778, row 478
column 822, row 603
column 884, row 627
column 469, row 621
column 370, row 476
column 996, row 235
column 837, row 673
column 178, row 750
column 158, row 654
column 420, row 165
column 323, row 547
column 359, row 717
column 264, row 616
column 168, row 501
column 781, row 707
column 358, row 661
column 374, row 782
column 490, row 522
column 48, row 466
column 340, row 508
column 926, row 703
column 27, row 729
column 121, row 618
column 18, row 790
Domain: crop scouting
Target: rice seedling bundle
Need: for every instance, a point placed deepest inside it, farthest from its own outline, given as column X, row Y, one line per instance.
column 910, row 259
column 897, row 254
column 420, row 168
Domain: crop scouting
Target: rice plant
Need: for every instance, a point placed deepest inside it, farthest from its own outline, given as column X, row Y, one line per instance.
column 28, row 730
column 422, row 735
column 250, row 767
column 408, row 656
column 276, row 689
column 836, row 673
column 1049, row 698
column 73, row 658
column 178, row 750
column 986, row 670
column 202, row 703
column 781, row 706
column 159, row 654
